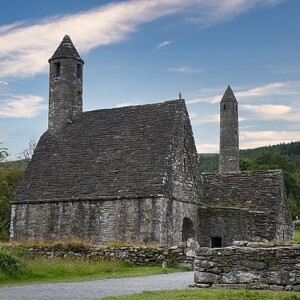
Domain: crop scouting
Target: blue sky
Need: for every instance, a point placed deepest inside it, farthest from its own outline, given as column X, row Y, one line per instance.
column 145, row 51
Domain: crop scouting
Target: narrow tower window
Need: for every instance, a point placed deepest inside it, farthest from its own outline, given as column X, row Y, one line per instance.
column 57, row 69
column 216, row 242
column 224, row 106
column 79, row 71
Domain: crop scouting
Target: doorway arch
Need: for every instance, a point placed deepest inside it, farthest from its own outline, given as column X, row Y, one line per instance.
column 188, row 230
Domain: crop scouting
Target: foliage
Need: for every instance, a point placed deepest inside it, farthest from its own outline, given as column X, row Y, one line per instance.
column 209, row 294
column 10, row 176
column 3, row 153
column 9, row 264
column 297, row 235
column 209, row 163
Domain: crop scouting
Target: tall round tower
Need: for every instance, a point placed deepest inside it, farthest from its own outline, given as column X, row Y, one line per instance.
column 229, row 133
column 65, row 87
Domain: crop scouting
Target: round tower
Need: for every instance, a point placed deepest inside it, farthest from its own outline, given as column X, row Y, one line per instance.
column 65, row 85
column 229, row 133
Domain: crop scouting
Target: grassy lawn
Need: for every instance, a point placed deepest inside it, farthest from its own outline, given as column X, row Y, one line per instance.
column 204, row 294
column 54, row 270
column 297, row 235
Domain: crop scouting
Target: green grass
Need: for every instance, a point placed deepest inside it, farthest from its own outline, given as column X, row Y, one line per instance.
column 297, row 235
column 55, row 269
column 205, row 294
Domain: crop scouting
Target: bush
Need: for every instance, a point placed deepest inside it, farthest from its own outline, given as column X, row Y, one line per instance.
column 9, row 264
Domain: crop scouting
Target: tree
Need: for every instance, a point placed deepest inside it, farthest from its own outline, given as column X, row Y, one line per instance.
column 3, row 153
column 27, row 153
column 10, row 176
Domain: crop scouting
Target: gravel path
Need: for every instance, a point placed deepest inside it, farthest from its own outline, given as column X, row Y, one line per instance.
column 96, row 289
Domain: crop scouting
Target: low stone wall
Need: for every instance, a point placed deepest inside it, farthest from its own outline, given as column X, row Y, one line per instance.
column 180, row 255
column 249, row 267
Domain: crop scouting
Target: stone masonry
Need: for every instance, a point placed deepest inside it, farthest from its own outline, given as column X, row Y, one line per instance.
column 244, row 206
column 229, row 133
column 249, row 267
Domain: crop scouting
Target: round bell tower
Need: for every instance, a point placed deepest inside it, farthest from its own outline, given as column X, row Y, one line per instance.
column 65, row 85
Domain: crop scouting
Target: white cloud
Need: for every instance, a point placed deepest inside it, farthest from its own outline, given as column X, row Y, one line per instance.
column 25, row 47
column 127, row 104
column 26, row 106
column 253, row 139
column 294, row 69
column 199, row 120
column 2, row 82
column 163, row 44
column 287, row 89
column 207, row 148
column 185, row 70
column 273, row 112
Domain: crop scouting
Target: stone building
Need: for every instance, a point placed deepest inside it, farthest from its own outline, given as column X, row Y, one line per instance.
column 132, row 174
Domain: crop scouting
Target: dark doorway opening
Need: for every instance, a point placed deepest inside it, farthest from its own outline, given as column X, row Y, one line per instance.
column 187, row 229
column 216, row 242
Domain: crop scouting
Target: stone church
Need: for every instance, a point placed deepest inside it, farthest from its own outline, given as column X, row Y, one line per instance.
column 132, row 174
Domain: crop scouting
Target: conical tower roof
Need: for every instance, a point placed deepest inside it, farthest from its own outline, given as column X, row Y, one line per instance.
column 228, row 95
column 66, row 49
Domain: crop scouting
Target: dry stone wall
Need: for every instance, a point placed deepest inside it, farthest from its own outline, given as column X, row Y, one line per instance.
column 249, row 267
column 179, row 255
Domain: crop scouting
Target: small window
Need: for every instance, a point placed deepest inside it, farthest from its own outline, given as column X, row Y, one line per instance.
column 79, row 71
column 57, row 69
column 216, row 242
column 224, row 106
column 79, row 95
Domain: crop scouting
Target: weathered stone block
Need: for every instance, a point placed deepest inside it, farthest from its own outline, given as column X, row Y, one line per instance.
column 239, row 277
column 256, row 265
column 205, row 277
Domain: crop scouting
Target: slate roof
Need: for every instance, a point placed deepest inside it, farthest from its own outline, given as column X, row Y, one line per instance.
column 107, row 153
column 66, row 49
column 228, row 95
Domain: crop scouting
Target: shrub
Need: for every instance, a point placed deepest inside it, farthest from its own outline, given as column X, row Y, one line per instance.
column 9, row 264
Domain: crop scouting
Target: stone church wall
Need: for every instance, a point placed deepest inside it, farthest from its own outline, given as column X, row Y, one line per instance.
column 244, row 206
column 273, row 267
column 133, row 220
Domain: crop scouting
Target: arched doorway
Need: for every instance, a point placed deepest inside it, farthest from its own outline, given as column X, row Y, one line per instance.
column 188, row 230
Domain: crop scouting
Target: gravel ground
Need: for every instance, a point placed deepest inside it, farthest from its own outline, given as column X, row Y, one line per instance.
column 96, row 289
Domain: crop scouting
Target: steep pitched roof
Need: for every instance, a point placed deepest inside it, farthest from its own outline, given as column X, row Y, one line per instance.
column 66, row 49
column 107, row 153
column 228, row 95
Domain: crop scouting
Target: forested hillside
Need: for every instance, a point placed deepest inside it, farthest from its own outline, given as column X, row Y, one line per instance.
column 283, row 156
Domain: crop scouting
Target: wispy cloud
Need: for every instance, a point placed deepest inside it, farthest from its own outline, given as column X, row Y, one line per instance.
column 207, row 148
column 284, row 69
column 200, row 120
column 2, row 82
column 253, row 139
column 163, row 44
column 127, row 104
column 185, row 70
column 25, row 47
column 26, row 106
column 273, row 112
column 272, row 90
